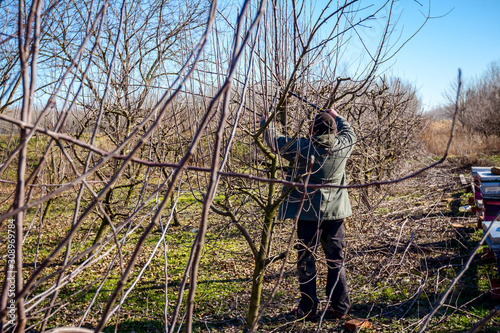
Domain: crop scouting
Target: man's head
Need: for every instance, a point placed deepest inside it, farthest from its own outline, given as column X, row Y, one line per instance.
column 324, row 124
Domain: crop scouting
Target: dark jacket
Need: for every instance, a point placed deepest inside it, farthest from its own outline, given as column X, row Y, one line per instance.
column 331, row 152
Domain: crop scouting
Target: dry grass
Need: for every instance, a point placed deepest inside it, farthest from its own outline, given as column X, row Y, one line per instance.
column 468, row 146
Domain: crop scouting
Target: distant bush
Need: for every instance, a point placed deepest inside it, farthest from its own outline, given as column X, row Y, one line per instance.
column 478, row 103
column 481, row 107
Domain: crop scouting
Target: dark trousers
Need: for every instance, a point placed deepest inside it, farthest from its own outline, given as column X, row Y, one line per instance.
column 331, row 236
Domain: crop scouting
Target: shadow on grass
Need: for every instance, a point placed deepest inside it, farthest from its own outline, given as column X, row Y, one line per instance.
column 157, row 326
column 137, row 326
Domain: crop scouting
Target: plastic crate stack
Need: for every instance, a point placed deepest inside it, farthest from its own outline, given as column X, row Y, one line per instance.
column 487, row 196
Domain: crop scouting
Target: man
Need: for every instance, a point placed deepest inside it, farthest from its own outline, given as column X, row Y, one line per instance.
column 320, row 220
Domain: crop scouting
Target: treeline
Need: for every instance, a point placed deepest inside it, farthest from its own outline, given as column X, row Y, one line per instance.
column 478, row 102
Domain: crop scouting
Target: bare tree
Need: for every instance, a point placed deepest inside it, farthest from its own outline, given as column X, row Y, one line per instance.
column 387, row 118
column 479, row 102
column 165, row 98
column 482, row 102
column 302, row 61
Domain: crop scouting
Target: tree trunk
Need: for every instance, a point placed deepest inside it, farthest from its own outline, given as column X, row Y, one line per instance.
column 258, row 273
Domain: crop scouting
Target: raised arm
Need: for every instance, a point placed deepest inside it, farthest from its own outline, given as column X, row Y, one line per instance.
column 345, row 134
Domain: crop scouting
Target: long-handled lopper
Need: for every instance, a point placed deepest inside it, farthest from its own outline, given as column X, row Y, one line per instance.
column 306, row 101
column 302, row 99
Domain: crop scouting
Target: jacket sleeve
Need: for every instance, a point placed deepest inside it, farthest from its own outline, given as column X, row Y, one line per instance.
column 345, row 134
column 285, row 146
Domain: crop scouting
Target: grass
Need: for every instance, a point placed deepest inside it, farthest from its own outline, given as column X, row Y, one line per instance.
column 147, row 300
column 390, row 303
column 467, row 147
column 402, row 254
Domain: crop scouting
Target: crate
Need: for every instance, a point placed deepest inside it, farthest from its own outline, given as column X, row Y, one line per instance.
column 488, row 177
column 491, row 207
column 493, row 238
column 476, row 170
column 495, row 288
column 490, row 190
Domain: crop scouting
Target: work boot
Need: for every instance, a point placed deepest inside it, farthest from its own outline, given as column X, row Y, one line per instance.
column 333, row 314
column 298, row 313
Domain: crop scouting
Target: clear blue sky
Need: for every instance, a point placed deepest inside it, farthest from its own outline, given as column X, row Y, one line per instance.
column 466, row 35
